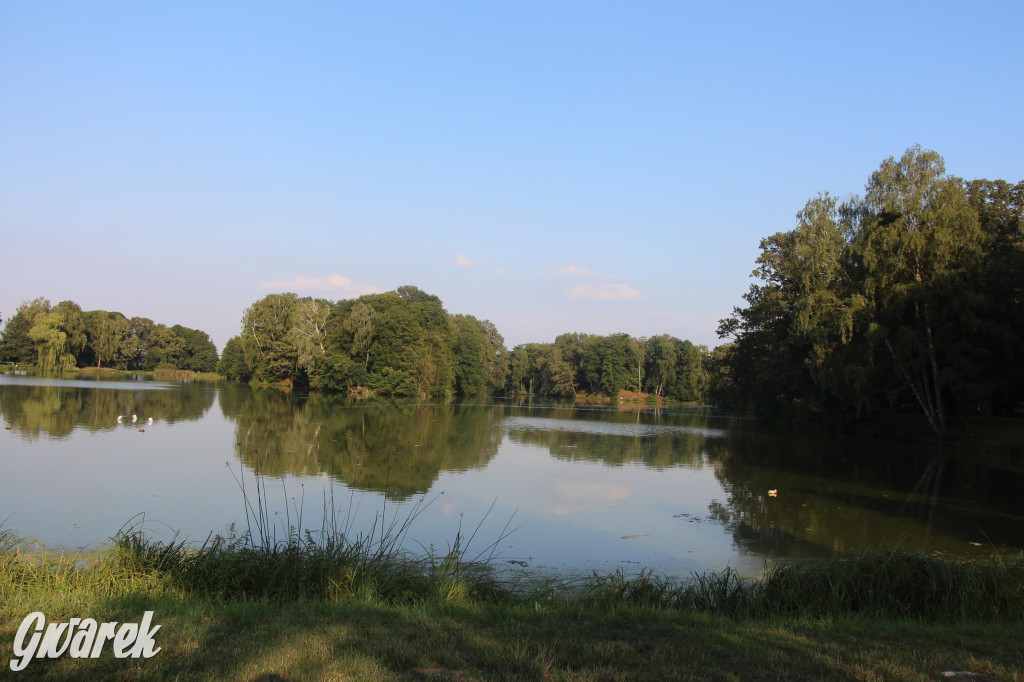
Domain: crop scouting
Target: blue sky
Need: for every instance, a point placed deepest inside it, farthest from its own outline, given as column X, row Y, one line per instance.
column 550, row 166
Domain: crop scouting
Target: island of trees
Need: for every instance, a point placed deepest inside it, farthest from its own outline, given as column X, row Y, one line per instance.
column 63, row 337
column 404, row 343
column 909, row 297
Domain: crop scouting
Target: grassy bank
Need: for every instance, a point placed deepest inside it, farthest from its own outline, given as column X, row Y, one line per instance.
column 328, row 608
column 211, row 640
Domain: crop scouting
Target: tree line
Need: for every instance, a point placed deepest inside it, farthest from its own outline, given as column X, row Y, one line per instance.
column 404, row 343
column 64, row 337
column 590, row 364
column 907, row 297
column 910, row 296
column 398, row 343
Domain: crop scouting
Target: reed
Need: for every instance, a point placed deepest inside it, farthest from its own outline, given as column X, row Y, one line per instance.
column 899, row 585
column 287, row 561
column 885, row 585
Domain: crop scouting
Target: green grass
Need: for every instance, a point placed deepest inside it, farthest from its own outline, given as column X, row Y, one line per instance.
column 273, row 602
column 208, row 639
column 315, row 608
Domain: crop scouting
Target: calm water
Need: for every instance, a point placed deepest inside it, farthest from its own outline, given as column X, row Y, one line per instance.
column 677, row 490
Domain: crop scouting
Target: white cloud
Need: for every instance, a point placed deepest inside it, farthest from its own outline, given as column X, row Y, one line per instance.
column 332, row 283
column 461, row 261
column 577, row 272
column 573, row 498
column 603, row 292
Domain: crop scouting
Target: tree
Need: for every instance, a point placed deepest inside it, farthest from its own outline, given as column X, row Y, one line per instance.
column 999, row 336
column 637, row 354
column 917, row 245
column 140, row 331
column 267, row 343
column 51, row 342
column 472, row 356
column 164, row 347
column 232, row 361
column 361, row 324
column 15, row 343
column 558, row 377
column 110, row 338
column 497, row 356
column 520, row 368
column 606, row 364
column 199, row 353
column 876, row 299
column 72, row 322
column 661, row 363
column 309, row 332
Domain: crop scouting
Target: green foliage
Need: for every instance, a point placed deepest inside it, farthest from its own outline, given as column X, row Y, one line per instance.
column 15, row 343
column 999, row 334
column 606, row 366
column 232, row 361
column 309, row 333
column 163, row 346
column 392, row 382
column 266, row 337
column 198, row 353
column 481, row 360
column 63, row 338
column 885, row 301
column 53, row 352
column 111, row 342
column 398, row 343
column 603, row 365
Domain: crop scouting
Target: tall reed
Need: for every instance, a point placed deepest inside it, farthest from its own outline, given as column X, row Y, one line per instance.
column 286, row 560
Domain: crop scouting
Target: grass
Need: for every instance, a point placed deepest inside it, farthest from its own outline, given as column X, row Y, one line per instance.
column 283, row 602
column 210, row 639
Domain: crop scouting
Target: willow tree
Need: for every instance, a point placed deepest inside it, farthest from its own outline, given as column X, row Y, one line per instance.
column 53, row 353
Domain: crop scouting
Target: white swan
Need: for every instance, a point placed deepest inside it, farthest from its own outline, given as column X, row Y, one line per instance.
column 134, row 418
column 150, row 421
column 119, row 418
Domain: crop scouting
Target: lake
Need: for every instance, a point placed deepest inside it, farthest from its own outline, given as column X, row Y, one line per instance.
column 558, row 489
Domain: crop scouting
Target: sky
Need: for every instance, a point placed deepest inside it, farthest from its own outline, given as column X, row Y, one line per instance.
column 551, row 166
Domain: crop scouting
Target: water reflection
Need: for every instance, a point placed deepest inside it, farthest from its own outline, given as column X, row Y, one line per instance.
column 53, row 408
column 399, row 450
column 618, row 442
column 675, row 489
column 841, row 497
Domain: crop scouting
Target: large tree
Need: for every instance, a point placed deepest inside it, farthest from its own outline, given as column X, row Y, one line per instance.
column 917, row 247
column 267, row 342
column 110, row 338
column 867, row 303
column 15, row 343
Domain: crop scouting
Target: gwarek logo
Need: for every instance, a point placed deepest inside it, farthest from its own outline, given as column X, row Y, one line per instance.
column 81, row 638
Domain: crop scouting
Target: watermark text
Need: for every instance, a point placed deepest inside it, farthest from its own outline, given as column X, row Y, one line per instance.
column 82, row 638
